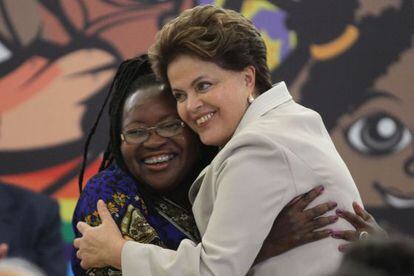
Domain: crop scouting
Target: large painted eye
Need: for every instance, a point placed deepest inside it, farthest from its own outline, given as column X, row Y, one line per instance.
column 5, row 53
column 378, row 134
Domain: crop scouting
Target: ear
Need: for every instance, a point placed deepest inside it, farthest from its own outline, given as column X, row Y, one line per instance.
column 249, row 74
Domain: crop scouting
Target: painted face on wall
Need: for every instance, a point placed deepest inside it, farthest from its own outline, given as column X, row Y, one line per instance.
column 376, row 140
column 161, row 162
column 210, row 99
column 57, row 59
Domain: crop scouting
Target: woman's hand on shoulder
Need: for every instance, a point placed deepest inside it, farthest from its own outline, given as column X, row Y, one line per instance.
column 364, row 223
column 295, row 226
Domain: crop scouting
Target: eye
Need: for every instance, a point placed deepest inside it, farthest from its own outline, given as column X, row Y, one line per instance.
column 179, row 96
column 5, row 53
column 136, row 132
column 172, row 125
column 378, row 134
column 203, row 86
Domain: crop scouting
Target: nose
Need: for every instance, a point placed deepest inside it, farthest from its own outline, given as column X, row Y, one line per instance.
column 409, row 166
column 193, row 103
column 154, row 140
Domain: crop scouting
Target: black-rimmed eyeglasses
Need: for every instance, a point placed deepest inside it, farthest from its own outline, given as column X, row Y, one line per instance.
column 165, row 129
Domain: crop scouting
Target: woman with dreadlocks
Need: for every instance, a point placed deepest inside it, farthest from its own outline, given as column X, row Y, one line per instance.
column 149, row 164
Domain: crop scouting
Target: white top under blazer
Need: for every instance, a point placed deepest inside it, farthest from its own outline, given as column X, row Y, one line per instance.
column 279, row 150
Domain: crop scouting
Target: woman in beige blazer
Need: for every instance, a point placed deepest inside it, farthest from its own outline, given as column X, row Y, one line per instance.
column 272, row 149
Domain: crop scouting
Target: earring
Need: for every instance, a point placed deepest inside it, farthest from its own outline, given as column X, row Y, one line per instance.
column 250, row 99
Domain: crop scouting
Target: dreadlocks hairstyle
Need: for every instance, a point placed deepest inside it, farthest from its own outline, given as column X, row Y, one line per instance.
column 131, row 74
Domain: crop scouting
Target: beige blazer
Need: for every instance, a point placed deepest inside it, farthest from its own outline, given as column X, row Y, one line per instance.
column 279, row 150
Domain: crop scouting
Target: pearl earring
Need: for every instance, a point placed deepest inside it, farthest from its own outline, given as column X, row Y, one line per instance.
column 250, row 99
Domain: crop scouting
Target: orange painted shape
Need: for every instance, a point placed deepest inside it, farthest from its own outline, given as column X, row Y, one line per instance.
column 39, row 180
column 18, row 86
column 71, row 190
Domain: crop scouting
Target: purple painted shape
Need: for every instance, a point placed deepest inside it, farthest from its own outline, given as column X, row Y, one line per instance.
column 205, row 2
column 67, row 251
column 274, row 24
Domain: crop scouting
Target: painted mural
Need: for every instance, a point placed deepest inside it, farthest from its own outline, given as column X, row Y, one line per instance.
column 350, row 60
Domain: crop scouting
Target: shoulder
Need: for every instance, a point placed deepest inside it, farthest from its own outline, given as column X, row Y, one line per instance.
column 25, row 197
column 113, row 186
column 109, row 181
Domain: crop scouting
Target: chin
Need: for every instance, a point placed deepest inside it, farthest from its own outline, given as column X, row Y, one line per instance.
column 211, row 140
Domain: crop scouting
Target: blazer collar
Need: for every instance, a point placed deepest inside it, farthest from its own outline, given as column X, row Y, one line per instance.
column 195, row 187
column 267, row 101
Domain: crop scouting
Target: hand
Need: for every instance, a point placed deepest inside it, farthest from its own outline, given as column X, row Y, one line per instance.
column 99, row 246
column 362, row 221
column 4, row 248
column 295, row 226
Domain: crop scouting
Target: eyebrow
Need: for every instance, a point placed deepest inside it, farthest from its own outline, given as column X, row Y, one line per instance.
column 374, row 93
column 163, row 119
column 193, row 82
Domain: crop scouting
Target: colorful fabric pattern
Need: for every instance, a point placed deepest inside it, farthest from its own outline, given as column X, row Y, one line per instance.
column 140, row 216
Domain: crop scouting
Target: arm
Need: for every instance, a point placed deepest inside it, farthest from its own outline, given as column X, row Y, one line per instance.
column 86, row 211
column 49, row 246
column 295, row 226
column 245, row 208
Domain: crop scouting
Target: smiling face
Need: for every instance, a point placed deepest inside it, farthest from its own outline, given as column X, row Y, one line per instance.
column 210, row 99
column 162, row 163
column 376, row 140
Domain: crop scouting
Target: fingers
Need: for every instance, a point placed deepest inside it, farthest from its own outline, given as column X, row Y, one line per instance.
column 4, row 248
column 348, row 235
column 82, row 227
column 321, row 222
column 314, row 236
column 344, row 247
column 355, row 220
column 103, row 211
column 308, row 197
column 76, row 242
column 293, row 201
column 360, row 211
column 319, row 210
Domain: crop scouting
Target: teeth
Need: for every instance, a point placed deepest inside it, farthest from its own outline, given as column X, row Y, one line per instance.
column 205, row 118
column 158, row 159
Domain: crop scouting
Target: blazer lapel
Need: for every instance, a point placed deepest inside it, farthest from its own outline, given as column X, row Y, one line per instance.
column 267, row 101
column 195, row 187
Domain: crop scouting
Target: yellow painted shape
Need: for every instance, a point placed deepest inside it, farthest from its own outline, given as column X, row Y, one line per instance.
column 293, row 39
column 219, row 3
column 251, row 7
column 273, row 47
column 67, row 206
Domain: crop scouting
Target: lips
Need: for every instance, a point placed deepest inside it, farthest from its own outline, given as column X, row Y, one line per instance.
column 158, row 159
column 394, row 198
column 204, row 119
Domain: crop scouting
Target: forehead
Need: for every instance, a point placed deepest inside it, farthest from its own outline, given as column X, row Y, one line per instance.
column 184, row 69
column 148, row 103
column 398, row 79
column 142, row 95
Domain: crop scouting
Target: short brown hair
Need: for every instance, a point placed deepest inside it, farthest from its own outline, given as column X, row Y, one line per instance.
column 212, row 34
